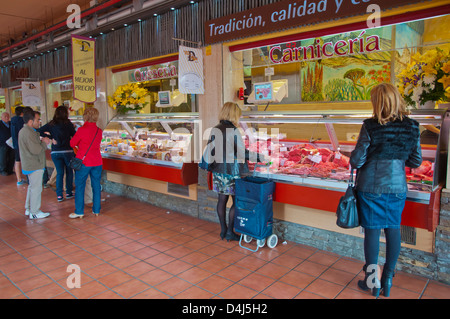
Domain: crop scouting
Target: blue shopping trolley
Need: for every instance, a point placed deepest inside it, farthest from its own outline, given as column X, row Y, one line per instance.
column 254, row 211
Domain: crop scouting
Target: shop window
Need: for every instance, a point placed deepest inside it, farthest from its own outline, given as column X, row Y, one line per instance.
column 2, row 104
column 15, row 96
column 343, row 67
column 61, row 93
column 152, row 79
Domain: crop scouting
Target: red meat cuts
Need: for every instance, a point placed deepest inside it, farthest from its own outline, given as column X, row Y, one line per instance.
column 301, row 169
column 424, row 169
column 326, row 154
column 295, row 156
column 341, row 160
column 260, row 146
column 340, row 174
column 423, row 177
column 305, row 160
column 320, row 171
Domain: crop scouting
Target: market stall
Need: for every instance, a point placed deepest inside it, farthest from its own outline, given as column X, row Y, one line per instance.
column 305, row 93
column 150, row 128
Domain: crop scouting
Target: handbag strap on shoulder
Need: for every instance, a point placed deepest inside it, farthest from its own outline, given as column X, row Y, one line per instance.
column 351, row 181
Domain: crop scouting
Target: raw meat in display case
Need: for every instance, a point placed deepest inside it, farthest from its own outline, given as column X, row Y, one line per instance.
column 311, row 161
column 308, row 160
column 302, row 159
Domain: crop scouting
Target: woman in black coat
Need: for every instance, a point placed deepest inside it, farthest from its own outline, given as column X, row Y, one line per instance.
column 387, row 142
column 60, row 129
column 227, row 158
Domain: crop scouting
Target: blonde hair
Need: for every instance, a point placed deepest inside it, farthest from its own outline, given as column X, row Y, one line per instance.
column 388, row 105
column 230, row 112
column 91, row 114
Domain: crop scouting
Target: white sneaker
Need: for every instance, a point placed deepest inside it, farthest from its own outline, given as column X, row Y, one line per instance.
column 27, row 212
column 39, row 215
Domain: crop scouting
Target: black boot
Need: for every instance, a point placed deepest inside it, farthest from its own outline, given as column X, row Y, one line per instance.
column 231, row 235
column 386, row 281
column 374, row 282
column 223, row 233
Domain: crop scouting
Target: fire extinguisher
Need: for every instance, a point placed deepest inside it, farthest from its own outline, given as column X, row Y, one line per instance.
column 241, row 93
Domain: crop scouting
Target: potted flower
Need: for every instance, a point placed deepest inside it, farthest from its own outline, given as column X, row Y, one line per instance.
column 128, row 97
column 426, row 79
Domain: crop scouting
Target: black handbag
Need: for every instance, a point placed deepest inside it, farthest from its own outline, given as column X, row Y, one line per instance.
column 204, row 164
column 75, row 163
column 347, row 210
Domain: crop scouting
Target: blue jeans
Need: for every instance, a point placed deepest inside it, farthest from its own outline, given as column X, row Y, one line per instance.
column 62, row 165
column 95, row 172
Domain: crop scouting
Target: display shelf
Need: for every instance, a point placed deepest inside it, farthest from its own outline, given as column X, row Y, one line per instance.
column 315, row 175
column 155, row 146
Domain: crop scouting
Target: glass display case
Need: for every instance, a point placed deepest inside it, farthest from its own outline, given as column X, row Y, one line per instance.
column 152, row 145
column 311, row 149
column 15, row 98
column 60, row 92
column 319, row 153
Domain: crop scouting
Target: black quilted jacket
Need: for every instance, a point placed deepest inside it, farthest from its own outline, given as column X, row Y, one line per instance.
column 382, row 152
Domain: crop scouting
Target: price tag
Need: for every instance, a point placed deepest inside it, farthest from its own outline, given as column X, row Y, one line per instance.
column 337, row 156
column 283, row 149
column 269, row 71
column 315, row 158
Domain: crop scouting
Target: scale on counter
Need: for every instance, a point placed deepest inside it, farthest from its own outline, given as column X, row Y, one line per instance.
column 267, row 92
column 171, row 98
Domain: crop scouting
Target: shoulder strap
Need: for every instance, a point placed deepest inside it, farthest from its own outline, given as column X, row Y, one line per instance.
column 91, row 143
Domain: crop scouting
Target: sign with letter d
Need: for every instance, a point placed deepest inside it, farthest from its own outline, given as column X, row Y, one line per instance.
column 83, row 63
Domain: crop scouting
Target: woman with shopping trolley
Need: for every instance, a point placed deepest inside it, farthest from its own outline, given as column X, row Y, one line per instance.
column 226, row 157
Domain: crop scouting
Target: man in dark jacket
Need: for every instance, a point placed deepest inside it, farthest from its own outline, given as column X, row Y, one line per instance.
column 6, row 152
column 16, row 126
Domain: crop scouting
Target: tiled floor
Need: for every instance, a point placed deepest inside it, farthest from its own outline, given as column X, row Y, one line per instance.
column 135, row 250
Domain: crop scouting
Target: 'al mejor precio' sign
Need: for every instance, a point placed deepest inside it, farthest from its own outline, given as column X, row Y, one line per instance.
column 287, row 14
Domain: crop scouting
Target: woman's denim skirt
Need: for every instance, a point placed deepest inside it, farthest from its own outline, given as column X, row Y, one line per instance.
column 379, row 211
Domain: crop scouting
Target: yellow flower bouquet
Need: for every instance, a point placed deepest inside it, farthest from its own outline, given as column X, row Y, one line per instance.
column 426, row 78
column 128, row 97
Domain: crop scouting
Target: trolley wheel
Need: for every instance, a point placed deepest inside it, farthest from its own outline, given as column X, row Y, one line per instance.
column 261, row 242
column 272, row 241
column 247, row 239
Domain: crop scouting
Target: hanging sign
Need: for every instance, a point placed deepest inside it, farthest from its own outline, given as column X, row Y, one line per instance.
column 190, row 71
column 83, row 63
column 31, row 94
column 288, row 14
